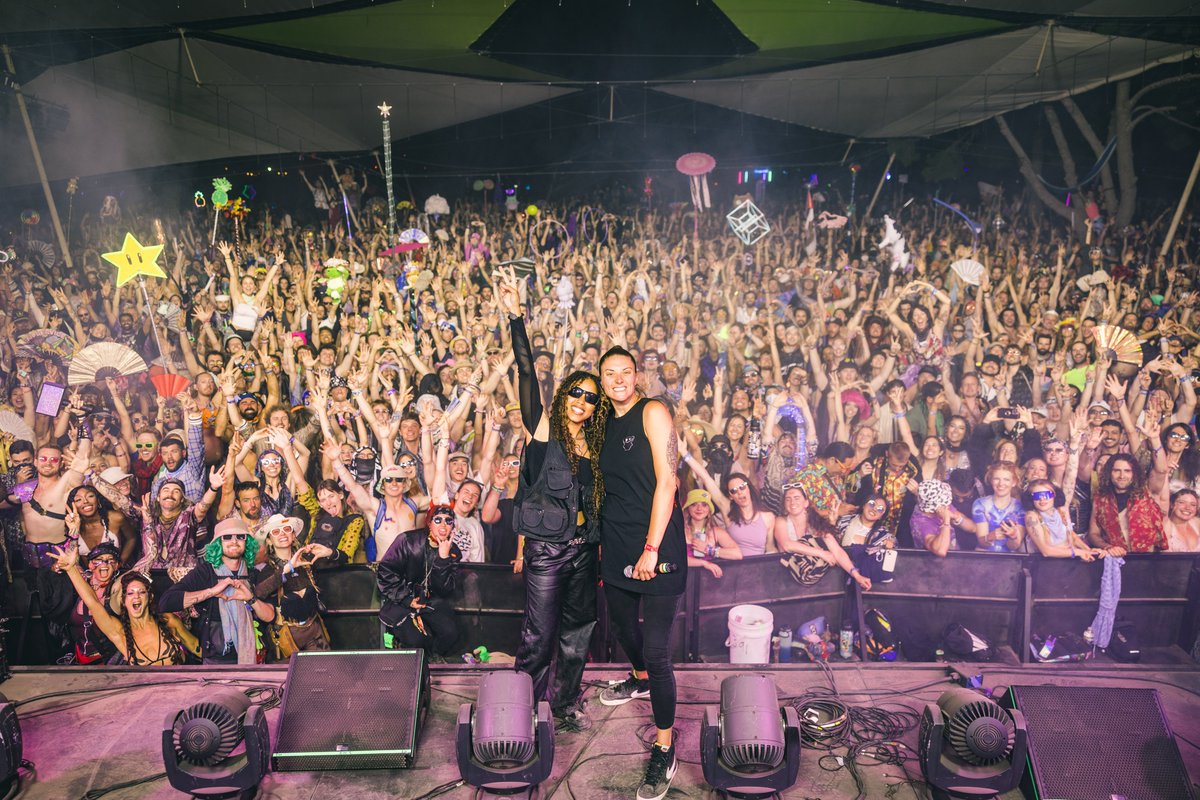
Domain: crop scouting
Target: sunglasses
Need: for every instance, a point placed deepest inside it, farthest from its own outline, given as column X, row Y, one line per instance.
column 403, row 464
column 445, row 519
column 145, row 445
column 741, row 487
column 591, row 398
column 284, row 529
column 237, row 537
column 513, row 462
column 1177, row 435
column 271, row 462
column 394, row 480
column 49, row 459
column 1043, row 495
column 109, row 560
column 877, row 505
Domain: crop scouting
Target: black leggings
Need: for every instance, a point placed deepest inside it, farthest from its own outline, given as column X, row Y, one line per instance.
column 648, row 644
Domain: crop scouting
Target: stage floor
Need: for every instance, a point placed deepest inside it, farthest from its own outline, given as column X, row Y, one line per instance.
column 85, row 741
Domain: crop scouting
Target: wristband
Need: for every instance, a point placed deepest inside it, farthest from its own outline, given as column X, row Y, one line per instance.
column 649, row 548
column 497, row 428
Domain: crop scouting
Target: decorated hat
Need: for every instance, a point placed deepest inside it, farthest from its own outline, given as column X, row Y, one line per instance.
column 932, row 495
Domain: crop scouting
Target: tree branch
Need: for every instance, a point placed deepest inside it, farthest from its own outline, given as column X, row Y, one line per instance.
column 1031, row 179
column 1159, row 84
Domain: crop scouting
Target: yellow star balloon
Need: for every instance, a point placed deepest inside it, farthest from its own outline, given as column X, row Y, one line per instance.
column 134, row 259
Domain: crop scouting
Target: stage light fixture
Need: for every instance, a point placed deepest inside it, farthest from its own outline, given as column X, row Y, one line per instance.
column 505, row 744
column 970, row 747
column 751, row 747
column 201, row 747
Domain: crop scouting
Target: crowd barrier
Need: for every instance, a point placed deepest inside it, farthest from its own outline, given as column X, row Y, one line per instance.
column 1005, row 597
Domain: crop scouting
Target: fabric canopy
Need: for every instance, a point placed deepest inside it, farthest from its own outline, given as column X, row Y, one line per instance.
column 932, row 90
column 141, row 107
column 114, row 86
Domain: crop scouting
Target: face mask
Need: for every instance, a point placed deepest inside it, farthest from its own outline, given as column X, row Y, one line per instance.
column 364, row 469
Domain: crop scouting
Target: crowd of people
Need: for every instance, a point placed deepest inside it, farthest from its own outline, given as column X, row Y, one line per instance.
column 467, row 397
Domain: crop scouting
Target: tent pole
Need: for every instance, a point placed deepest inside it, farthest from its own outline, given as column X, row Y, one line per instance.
column 37, row 160
column 1187, row 191
column 878, row 189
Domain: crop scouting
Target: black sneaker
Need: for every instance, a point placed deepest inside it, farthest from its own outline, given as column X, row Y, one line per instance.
column 572, row 719
column 659, row 773
column 621, row 692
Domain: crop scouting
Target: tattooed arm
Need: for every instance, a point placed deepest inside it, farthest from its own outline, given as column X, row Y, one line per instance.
column 664, row 447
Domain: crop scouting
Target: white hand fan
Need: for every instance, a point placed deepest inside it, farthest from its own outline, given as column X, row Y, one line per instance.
column 102, row 360
column 970, row 270
column 12, row 423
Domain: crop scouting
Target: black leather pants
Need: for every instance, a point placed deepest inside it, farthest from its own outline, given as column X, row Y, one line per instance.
column 560, row 612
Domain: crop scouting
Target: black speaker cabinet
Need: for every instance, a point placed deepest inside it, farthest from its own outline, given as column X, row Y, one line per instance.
column 1096, row 743
column 352, row 710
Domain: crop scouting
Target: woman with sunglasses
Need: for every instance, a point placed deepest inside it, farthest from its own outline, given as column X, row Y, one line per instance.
column 63, row 605
column 864, row 536
column 1049, row 526
column 1183, row 458
column 748, row 521
column 557, row 510
column 130, row 618
column 286, row 581
column 498, row 512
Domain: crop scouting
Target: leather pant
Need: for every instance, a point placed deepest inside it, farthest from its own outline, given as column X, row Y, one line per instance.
column 560, row 613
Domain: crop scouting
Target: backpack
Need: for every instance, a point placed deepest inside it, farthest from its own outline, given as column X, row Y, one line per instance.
column 879, row 638
column 1125, row 645
column 962, row 644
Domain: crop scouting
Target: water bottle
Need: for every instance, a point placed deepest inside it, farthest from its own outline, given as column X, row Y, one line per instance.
column 846, row 641
column 700, row 544
column 754, row 442
column 785, row 644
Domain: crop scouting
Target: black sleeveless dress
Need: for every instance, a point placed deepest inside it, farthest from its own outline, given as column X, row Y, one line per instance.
column 629, row 482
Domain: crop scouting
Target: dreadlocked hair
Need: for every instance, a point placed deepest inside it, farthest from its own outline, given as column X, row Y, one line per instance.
column 593, row 431
column 164, row 630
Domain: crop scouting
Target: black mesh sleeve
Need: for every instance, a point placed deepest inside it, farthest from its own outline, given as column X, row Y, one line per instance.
column 527, row 386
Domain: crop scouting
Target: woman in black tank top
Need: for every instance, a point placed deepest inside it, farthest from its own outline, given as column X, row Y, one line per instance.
column 642, row 534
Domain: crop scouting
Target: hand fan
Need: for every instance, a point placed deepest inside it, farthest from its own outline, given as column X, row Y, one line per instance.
column 12, row 423
column 969, row 270
column 103, row 360
column 1120, row 345
column 168, row 385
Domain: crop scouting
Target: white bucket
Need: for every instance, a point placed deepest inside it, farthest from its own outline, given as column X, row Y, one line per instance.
column 750, row 629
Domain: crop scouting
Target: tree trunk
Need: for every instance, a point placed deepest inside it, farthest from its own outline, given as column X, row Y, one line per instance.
column 1031, row 179
column 1060, row 141
column 1109, row 189
column 1122, row 124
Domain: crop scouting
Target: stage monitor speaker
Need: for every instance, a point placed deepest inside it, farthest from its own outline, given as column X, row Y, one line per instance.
column 1099, row 742
column 352, row 710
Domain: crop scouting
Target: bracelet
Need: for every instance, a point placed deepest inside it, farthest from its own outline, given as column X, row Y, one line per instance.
column 356, row 392
column 649, row 548
column 230, row 401
column 1073, row 555
column 497, row 428
column 899, row 414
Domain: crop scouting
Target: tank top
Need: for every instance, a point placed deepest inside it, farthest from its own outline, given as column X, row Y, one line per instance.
column 627, row 464
column 750, row 536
